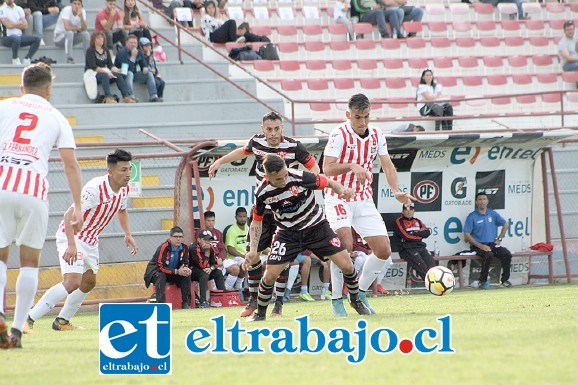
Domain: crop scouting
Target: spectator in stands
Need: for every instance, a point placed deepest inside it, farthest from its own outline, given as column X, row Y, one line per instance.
column 218, row 241
column 193, row 4
column 371, row 11
column 236, row 245
column 567, row 48
column 405, row 12
column 153, row 80
column 71, row 29
column 215, row 28
column 341, row 15
column 133, row 21
column 127, row 60
column 244, row 30
column 428, row 92
column 203, row 264
column 408, row 127
column 480, row 230
column 99, row 60
column 170, row 263
column 44, row 14
column 394, row 15
column 106, row 19
column 14, row 23
column 410, row 233
column 303, row 263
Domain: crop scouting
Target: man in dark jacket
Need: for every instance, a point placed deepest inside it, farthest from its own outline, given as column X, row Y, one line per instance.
column 170, row 263
column 410, row 232
column 204, row 267
column 127, row 60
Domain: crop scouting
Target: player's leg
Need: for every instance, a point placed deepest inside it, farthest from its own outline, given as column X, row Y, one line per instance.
column 343, row 261
column 486, row 257
column 4, row 338
column 505, row 256
column 305, row 271
column 368, row 223
column 71, row 279
column 292, row 276
column 74, row 301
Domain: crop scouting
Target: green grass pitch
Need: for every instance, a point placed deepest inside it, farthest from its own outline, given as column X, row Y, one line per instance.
column 525, row 335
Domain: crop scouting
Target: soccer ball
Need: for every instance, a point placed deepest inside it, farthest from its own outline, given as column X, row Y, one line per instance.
column 439, row 280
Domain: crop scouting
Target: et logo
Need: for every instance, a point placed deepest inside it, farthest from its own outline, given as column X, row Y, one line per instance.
column 135, row 338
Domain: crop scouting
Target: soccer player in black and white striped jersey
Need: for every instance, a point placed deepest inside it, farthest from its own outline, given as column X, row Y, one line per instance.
column 301, row 225
column 270, row 141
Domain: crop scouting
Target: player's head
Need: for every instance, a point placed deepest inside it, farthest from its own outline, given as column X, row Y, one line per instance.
column 119, row 168
column 37, row 80
column 176, row 236
column 358, row 113
column 482, row 200
column 276, row 170
column 209, row 219
column 241, row 216
column 272, row 128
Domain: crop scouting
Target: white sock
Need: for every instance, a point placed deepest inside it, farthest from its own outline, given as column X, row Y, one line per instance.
column 72, row 304
column 3, row 280
column 239, row 283
column 304, row 289
column 381, row 275
column 371, row 269
column 336, row 281
column 293, row 273
column 230, row 282
column 52, row 296
column 26, row 286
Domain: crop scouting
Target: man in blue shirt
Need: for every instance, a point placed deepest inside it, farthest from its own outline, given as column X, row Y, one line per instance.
column 480, row 231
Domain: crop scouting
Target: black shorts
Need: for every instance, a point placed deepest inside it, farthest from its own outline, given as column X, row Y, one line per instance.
column 320, row 239
column 268, row 230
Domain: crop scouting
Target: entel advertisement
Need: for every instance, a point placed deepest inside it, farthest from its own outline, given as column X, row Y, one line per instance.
column 442, row 171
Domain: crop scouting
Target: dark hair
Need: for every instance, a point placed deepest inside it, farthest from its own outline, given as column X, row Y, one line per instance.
column 271, row 116
column 273, row 163
column 93, row 37
column 118, row 156
column 433, row 81
column 240, row 210
column 128, row 13
column 358, row 102
column 37, row 76
column 72, row 1
column 481, row 193
column 568, row 24
column 176, row 229
column 244, row 25
column 209, row 214
column 419, row 128
column 132, row 36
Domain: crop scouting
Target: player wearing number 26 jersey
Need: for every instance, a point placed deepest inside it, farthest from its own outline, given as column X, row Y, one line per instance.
column 29, row 128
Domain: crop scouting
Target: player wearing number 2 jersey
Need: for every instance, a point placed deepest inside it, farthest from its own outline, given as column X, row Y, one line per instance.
column 29, row 128
column 348, row 159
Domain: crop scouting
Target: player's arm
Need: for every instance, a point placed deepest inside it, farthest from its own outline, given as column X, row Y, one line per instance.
column 255, row 232
column 72, row 172
column 392, row 181
column 125, row 225
column 233, row 156
column 71, row 254
column 340, row 190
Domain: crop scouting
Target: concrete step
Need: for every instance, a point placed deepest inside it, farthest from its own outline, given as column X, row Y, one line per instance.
column 141, row 220
column 175, row 91
column 170, row 70
column 151, row 113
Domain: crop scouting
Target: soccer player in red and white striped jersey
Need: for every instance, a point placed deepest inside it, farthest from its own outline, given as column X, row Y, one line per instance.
column 29, row 128
column 102, row 198
column 348, row 159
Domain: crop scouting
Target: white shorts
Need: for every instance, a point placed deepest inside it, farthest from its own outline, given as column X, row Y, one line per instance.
column 232, row 261
column 87, row 257
column 23, row 219
column 361, row 215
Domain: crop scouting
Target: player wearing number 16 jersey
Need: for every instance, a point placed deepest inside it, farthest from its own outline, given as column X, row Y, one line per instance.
column 348, row 159
column 29, row 128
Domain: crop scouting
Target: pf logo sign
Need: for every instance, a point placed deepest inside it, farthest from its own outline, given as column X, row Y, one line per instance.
column 135, row 339
column 427, row 189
